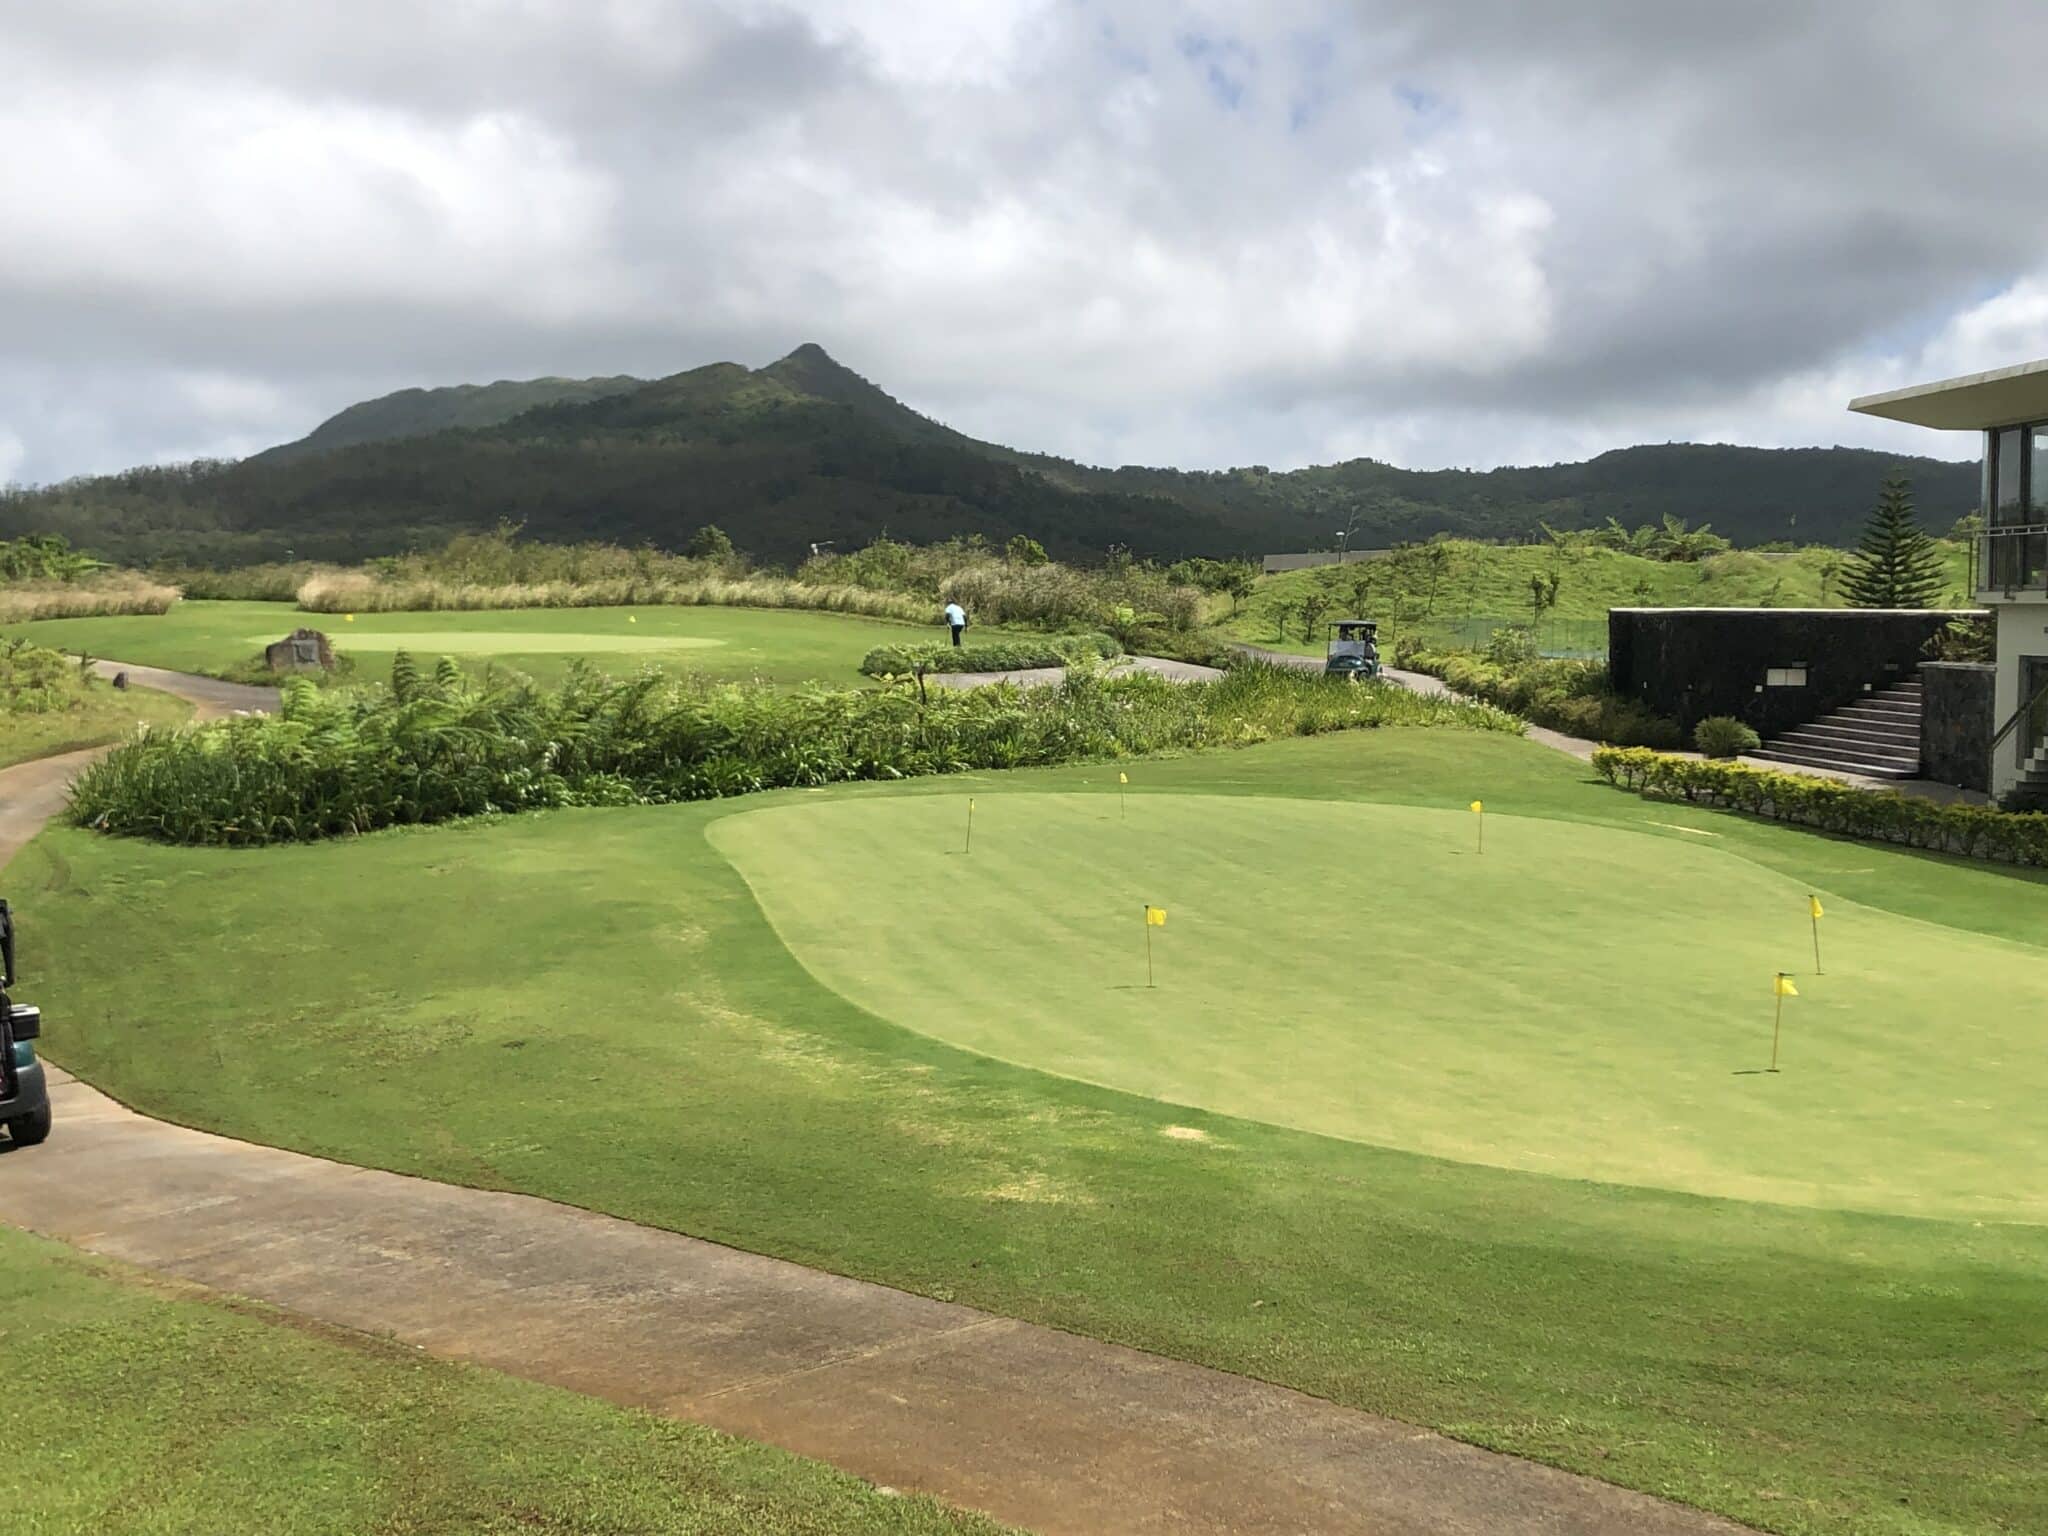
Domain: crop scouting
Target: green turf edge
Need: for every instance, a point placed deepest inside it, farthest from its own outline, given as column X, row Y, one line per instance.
column 146, row 1406
column 1804, row 1371
column 108, row 715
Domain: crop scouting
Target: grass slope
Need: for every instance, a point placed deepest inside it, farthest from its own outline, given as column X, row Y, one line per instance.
column 100, row 714
column 1577, row 1000
column 145, row 1408
column 775, row 645
column 1804, row 1370
column 1491, row 582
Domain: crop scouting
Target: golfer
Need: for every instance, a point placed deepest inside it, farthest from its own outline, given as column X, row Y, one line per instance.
column 956, row 620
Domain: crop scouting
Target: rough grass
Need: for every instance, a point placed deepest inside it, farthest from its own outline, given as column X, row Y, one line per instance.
column 117, row 592
column 1803, row 1370
column 154, row 1410
column 363, row 592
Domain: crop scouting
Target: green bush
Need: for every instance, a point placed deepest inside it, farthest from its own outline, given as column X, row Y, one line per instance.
column 1724, row 736
column 1005, row 655
column 1974, row 831
column 355, row 760
column 1563, row 695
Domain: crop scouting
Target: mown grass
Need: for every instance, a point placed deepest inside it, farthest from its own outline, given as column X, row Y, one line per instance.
column 96, row 718
column 154, row 1410
column 1803, row 1370
column 222, row 639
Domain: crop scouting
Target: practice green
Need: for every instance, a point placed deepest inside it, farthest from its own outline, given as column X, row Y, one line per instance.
column 1576, row 1000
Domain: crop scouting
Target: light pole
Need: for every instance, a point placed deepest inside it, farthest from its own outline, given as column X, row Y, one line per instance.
column 1342, row 535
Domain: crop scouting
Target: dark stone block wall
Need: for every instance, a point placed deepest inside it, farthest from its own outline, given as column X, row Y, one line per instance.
column 1688, row 663
column 1956, row 722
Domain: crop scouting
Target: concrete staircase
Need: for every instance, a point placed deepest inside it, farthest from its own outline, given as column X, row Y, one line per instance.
column 2030, row 791
column 1877, row 736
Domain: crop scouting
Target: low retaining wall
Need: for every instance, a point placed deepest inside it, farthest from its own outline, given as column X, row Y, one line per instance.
column 1957, row 717
column 1688, row 663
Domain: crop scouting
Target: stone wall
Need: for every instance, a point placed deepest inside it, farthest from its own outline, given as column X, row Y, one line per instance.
column 1688, row 663
column 1956, row 722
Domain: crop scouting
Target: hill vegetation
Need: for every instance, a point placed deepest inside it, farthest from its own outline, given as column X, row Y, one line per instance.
column 805, row 452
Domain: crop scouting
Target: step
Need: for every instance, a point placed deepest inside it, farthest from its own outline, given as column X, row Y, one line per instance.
column 1864, row 767
column 1835, row 729
column 1880, row 709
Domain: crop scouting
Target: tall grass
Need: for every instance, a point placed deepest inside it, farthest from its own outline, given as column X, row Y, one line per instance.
column 427, row 749
column 365, row 592
column 113, row 593
column 275, row 582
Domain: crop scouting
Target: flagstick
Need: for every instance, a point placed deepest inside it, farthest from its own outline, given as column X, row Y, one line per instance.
column 1816, row 946
column 1482, row 832
column 970, row 826
column 1148, row 944
column 1120, row 800
column 1776, row 1022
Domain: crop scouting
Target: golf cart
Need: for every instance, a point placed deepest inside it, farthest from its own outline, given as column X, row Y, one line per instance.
column 24, row 1101
column 1354, row 649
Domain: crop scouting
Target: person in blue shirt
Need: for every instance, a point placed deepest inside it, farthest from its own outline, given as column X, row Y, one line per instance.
column 956, row 620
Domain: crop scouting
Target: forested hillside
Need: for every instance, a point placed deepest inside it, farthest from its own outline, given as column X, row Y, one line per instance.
column 806, row 451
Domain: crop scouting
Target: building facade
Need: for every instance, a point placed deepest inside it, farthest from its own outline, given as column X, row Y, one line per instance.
column 2007, row 410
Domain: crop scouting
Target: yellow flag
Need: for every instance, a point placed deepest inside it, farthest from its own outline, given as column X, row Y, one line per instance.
column 1784, row 987
column 1813, row 905
column 1123, row 778
column 1155, row 916
column 350, row 617
column 1478, row 807
column 632, row 618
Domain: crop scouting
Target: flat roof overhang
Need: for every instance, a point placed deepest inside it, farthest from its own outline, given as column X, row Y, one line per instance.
column 2004, row 397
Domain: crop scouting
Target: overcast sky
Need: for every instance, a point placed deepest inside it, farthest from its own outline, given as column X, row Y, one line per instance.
column 1433, row 231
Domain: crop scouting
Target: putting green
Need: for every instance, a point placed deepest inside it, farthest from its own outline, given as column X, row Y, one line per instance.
column 497, row 642
column 1577, row 1000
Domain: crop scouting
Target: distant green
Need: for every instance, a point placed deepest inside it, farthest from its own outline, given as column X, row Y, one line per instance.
column 152, row 1409
column 1804, row 1370
column 775, row 645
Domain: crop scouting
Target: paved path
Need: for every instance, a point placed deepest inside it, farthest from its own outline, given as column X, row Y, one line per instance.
column 1032, row 677
column 1041, row 1428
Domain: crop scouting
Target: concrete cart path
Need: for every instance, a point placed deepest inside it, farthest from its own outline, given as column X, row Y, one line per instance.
column 1041, row 1428
column 1044, row 1429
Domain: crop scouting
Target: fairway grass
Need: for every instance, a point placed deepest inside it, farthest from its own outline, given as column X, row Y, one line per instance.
column 1584, row 1001
column 731, row 644
column 593, row 1006
column 152, row 1409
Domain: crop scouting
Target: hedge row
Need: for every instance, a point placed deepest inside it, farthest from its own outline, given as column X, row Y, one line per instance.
column 1886, row 816
column 1563, row 695
column 1005, row 655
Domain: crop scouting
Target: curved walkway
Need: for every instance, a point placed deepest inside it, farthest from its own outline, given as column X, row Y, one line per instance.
column 1032, row 677
column 1040, row 1428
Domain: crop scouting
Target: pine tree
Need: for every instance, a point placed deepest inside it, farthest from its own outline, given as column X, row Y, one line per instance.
column 1896, row 565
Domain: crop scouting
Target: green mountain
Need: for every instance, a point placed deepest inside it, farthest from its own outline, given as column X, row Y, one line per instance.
column 421, row 412
column 806, row 450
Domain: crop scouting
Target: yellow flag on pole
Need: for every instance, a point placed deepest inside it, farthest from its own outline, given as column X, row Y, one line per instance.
column 1783, row 986
column 1123, row 778
column 1155, row 916
column 1478, row 807
column 1814, row 907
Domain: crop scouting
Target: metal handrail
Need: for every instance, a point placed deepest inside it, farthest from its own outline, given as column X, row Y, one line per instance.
column 1986, row 551
column 2018, row 715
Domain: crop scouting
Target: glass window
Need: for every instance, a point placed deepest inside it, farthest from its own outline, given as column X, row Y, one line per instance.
column 2009, row 481
column 1785, row 677
column 2038, row 497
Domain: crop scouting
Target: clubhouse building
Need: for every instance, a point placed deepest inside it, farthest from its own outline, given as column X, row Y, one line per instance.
column 2008, row 409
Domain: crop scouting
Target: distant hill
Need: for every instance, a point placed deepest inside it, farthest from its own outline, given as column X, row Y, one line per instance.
column 420, row 412
column 807, row 450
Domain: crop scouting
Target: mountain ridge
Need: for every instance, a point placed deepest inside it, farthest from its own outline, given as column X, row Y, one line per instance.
column 807, row 450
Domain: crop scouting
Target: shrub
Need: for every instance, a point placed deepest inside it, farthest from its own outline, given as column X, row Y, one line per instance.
column 1974, row 831
column 364, row 592
column 35, row 680
column 990, row 656
column 1724, row 736
column 1563, row 695
column 355, row 760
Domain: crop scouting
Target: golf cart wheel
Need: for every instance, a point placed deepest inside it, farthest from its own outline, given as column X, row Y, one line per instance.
column 30, row 1130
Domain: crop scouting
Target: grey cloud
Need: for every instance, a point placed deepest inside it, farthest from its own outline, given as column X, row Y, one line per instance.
column 1454, row 233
